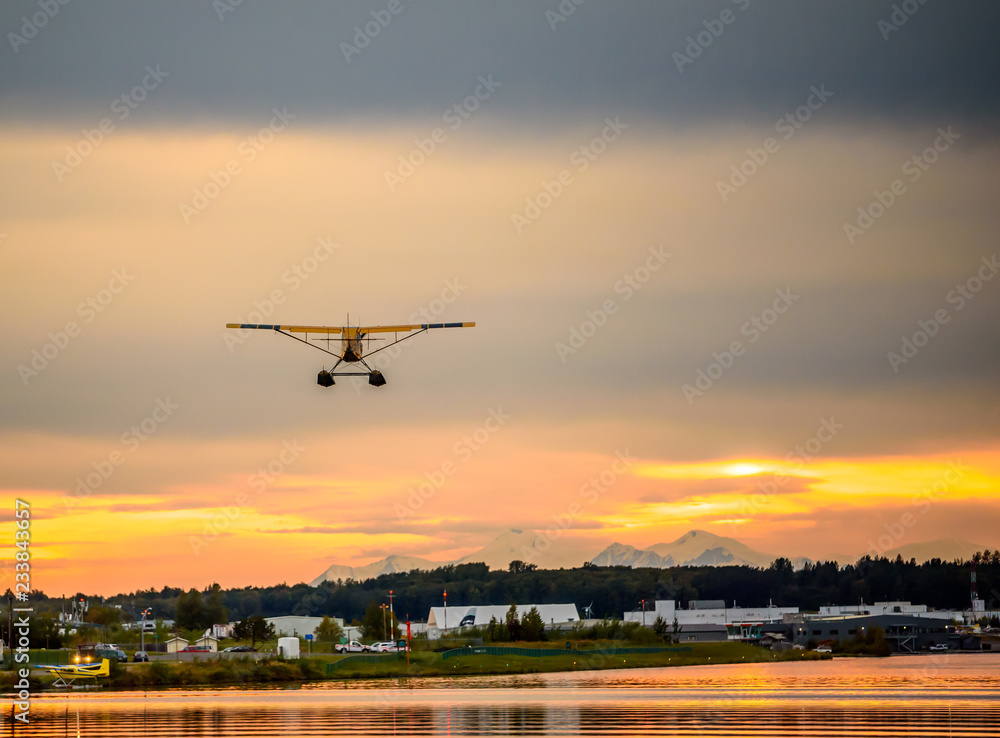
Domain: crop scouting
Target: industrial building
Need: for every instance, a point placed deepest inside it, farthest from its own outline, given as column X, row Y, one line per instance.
column 889, row 608
column 303, row 625
column 702, row 619
column 447, row 619
column 906, row 633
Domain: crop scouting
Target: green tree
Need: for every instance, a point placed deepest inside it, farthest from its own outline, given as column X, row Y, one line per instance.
column 43, row 632
column 103, row 615
column 215, row 610
column 329, row 630
column 496, row 631
column 532, row 627
column 190, row 611
column 254, row 628
column 513, row 624
column 660, row 627
column 371, row 624
column 519, row 567
column 376, row 625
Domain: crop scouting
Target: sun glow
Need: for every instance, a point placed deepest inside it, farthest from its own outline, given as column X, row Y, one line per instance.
column 743, row 469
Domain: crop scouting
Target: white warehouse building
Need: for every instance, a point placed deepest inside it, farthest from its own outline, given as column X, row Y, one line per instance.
column 709, row 612
column 443, row 619
column 888, row 608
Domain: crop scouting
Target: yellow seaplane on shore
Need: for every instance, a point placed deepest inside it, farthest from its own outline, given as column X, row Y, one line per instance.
column 355, row 342
column 67, row 675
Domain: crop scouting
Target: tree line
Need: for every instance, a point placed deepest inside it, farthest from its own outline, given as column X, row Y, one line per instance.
column 608, row 590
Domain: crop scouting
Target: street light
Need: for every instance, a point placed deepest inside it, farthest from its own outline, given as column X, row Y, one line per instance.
column 643, row 602
column 446, row 610
column 142, row 629
column 383, row 607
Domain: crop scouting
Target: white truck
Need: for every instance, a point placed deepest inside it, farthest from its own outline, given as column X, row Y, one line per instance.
column 352, row 647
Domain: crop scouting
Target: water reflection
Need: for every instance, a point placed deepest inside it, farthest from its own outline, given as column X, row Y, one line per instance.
column 954, row 695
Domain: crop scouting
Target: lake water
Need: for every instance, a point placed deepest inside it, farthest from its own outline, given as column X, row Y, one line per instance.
column 925, row 695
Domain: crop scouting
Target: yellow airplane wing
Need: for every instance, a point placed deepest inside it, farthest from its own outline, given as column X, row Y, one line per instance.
column 287, row 328
column 350, row 330
column 413, row 327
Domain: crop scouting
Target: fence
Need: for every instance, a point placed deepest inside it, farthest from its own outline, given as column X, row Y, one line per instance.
column 541, row 652
column 362, row 658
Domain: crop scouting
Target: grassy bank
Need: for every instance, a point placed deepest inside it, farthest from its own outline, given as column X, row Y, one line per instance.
column 422, row 663
column 431, row 664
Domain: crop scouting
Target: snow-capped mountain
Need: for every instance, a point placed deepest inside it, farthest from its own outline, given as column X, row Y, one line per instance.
column 511, row 544
column 694, row 548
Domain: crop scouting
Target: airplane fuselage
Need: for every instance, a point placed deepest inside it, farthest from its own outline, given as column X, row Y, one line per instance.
column 351, row 349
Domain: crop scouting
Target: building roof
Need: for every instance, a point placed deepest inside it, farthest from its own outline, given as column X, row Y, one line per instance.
column 482, row 614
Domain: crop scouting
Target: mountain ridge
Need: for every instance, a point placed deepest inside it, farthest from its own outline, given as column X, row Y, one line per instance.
column 694, row 548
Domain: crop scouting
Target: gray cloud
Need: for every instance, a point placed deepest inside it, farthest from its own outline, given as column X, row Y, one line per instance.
column 606, row 57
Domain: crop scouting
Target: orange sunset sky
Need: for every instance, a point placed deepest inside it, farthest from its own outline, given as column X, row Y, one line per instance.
column 718, row 346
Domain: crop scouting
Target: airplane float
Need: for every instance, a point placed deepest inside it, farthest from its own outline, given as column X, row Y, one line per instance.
column 355, row 342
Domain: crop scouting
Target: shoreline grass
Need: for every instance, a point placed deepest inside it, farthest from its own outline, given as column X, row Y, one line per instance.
column 214, row 672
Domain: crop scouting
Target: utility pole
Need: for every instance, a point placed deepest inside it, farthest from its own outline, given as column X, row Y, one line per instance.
column 391, row 616
column 445, row 610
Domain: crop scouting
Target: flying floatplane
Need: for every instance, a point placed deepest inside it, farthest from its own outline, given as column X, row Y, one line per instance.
column 355, row 343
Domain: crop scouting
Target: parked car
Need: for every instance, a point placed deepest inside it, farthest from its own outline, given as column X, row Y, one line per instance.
column 239, row 649
column 352, row 647
column 111, row 652
column 139, row 656
column 939, row 647
column 383, row 647
column 824, row 649
column 195, row 649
